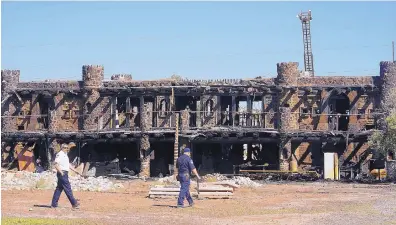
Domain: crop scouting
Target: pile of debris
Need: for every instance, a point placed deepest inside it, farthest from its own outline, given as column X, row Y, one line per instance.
column 169, row 180
column 245, row 182
column 23, row 180
column 309, row 176
column 216, row 178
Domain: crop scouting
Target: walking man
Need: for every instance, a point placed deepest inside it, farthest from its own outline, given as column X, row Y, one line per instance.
column 62, row 170
column 185, row 166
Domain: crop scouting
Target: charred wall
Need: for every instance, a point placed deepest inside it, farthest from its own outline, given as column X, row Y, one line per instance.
column 288, row 103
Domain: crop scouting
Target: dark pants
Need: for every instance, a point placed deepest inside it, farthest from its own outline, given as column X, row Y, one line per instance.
column 184, row 189
column 63, row 184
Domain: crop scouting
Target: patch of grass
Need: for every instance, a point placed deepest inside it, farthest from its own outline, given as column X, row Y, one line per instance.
column 43, row 221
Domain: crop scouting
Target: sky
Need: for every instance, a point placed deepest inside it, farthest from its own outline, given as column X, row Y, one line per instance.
column 196, row 40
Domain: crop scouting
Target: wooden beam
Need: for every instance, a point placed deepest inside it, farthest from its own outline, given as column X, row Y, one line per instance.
column 19, row 97
column 128, row 111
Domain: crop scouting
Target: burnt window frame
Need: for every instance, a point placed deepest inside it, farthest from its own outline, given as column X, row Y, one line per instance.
column 209, row 112
column 164, row 106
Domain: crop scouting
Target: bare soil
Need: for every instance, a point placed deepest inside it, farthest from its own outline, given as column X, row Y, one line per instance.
column 291, row 203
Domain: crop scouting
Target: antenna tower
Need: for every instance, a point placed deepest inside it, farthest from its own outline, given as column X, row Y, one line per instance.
column 306, row 18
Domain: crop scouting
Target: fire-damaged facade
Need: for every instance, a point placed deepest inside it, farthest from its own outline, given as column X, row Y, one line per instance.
column 122, row 125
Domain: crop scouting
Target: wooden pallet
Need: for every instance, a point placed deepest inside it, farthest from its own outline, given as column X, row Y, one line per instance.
column 204, row 191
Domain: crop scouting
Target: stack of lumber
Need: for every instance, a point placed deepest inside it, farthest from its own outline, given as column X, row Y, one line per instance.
column 214, row 191
column 204, row 191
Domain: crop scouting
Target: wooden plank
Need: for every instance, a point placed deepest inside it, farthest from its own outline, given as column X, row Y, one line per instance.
column 215, row 189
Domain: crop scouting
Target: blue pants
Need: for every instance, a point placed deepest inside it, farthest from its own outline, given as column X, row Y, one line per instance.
column 184, row 190
column 63, row 184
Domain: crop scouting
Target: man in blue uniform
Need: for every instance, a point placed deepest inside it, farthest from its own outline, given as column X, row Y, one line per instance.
column 185, row 166
column 62, row 172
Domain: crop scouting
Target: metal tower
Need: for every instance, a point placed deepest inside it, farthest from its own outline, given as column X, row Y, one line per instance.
column 306, row 18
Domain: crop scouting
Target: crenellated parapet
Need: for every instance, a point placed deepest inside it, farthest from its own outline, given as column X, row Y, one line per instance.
column 121, row 77
column 388, row 85
column 288, row 73
column 9, row 81
column 92, row 76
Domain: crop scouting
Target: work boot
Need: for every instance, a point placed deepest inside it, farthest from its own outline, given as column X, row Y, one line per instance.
column 76, row 206
column 191, row 205
column 180, row 206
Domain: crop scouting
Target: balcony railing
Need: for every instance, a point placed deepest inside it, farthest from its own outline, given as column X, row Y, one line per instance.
column 155, row 120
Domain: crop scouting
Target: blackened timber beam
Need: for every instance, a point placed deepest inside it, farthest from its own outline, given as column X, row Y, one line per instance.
column 234, row 140
column 234, row 107
column 26, row 91
column 128, row 111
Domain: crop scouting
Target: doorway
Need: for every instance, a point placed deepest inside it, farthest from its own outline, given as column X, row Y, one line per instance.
column 339, row 110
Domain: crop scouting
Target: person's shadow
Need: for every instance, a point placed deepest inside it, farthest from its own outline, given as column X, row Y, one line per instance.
column 166, row 206
column 42, row 206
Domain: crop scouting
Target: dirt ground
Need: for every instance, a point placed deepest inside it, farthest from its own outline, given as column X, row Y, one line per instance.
column 291, row 203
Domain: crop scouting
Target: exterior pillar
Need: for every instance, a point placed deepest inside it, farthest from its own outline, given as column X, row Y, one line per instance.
column 288, row 74
column 145, row 155
column 387, row 106
column 144, row 140
column 128, row 112
column 233, row 109
column 9, row 82
column 185, row 119
column 388, row 87
column 249, row 116
column 93, row 76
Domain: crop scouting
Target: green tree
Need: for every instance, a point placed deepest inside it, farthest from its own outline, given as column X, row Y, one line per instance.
column 384, row 141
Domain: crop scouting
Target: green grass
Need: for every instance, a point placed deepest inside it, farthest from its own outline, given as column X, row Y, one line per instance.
column 43, row 221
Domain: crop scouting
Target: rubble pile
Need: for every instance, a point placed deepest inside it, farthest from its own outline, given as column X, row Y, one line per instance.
column 245, row 182
column 285, row 176
column 215, row 177
column 168, row 180
column 23, row 180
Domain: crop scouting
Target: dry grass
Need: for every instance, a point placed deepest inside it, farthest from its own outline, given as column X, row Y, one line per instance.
column 44, row 221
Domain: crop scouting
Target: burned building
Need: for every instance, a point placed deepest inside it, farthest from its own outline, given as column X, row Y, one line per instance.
column 286, row 122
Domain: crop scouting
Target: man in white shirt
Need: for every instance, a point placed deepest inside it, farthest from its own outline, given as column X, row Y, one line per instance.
column 62, row 170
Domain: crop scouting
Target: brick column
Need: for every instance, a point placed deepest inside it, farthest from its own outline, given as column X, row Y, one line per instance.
column 93, row 76
column 144, row 143
column 9, row 82
column 288, row 74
